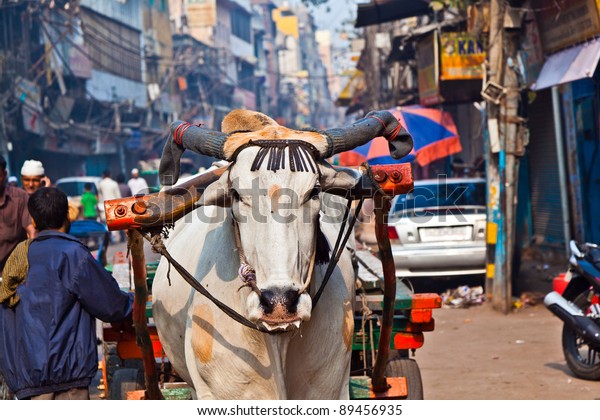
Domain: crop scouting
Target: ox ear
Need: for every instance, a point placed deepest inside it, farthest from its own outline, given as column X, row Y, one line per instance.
column 338, row 180
column 217, row 193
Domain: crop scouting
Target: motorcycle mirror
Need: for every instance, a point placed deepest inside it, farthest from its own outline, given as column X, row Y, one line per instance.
column 575, row 249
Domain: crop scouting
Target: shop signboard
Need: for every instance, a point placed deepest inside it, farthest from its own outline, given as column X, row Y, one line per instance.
column 563, row 23
column 531, row 51
column 428, row 70
column 462, row 56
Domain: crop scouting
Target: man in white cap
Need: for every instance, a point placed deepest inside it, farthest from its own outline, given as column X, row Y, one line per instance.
column 33, row 176
column 15, row 224
column 137, row 184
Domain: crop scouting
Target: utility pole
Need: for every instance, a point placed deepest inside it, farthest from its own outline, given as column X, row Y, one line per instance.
column 373, row 81
column 503, row 164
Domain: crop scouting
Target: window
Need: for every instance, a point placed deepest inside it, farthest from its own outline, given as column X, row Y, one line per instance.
column 113, row 47
column 246, row 76
column 240, row 25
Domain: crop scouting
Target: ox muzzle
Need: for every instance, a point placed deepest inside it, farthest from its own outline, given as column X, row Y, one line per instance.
column 279, row 308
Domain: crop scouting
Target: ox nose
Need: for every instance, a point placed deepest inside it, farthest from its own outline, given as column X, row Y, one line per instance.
column 279, row 302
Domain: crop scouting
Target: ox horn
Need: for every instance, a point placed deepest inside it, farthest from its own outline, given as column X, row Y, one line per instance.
column 375, row 124
column 183, row 135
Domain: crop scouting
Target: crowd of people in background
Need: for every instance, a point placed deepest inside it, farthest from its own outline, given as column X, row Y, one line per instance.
column 16, row 223
column 33, row 176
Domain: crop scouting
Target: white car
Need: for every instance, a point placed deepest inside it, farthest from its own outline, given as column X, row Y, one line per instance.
column 73, row 187
column 439, row 229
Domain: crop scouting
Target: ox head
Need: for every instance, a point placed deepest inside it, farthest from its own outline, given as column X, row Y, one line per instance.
column 273, row 188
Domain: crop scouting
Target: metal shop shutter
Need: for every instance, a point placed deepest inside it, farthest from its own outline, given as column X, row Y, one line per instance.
column 546, row 211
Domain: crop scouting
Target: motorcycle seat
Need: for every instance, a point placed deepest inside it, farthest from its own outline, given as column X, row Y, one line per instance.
column 593, row 256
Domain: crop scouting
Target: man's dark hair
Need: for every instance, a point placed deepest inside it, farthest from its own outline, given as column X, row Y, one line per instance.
column 87, row 186
column 106, row 173
column 2, row 163
column 48, row 207
column 120, row 178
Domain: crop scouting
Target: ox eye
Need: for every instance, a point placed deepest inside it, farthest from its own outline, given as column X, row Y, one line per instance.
column 314, row 193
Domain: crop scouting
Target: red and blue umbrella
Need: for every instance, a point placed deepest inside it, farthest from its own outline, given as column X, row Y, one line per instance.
column 433, row 131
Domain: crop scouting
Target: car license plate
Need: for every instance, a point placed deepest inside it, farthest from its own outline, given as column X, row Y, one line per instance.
column 446, row 233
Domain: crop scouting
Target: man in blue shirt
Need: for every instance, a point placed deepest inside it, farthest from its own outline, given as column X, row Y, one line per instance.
column 55, row 290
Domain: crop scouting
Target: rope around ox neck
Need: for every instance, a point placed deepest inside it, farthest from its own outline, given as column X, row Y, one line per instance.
column 159, row 247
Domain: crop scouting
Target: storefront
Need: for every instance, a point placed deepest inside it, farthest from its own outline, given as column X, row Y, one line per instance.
column 564, row 174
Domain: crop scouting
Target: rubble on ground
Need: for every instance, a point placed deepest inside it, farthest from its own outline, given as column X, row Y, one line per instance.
column 463, row 297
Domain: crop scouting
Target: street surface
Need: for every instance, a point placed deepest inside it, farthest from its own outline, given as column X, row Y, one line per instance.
column 481, row 354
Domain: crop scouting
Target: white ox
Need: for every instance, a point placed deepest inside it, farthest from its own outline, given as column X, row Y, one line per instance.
column 276, row 215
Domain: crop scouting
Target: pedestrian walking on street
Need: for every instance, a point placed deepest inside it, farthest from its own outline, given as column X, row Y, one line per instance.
column 33, row 176
column 15, row 221
column 108, row 187
column 89, row 203
column 138, row 185
column 52, row 292
column 109, row 190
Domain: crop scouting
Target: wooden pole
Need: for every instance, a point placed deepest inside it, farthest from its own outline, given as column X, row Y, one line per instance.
column 502, row 168
column 142, row 336
column 382, row 208
column 495, row 280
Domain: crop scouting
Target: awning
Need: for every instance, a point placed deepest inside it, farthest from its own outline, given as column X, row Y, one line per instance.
column 380, row 11
column 354, row 87
column 568, row 65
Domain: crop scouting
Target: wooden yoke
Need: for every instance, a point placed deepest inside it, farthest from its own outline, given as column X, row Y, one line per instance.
column 165, row 207
column 161, row 208
column 393, row 179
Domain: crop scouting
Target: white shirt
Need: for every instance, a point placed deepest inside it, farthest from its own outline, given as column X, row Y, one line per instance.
column 109, row 189
column 138, row 185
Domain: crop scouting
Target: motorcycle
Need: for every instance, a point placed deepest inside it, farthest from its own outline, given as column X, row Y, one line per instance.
column 579, row 308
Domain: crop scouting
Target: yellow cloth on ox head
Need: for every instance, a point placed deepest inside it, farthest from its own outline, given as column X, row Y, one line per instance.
column 15, row 271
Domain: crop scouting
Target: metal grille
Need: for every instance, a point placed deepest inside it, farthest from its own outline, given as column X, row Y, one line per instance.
column 546, row 212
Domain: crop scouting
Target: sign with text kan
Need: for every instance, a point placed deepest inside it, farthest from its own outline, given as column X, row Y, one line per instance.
column 462, row 56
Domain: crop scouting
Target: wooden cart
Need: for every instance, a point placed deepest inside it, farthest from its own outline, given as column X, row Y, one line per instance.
column 386, row 309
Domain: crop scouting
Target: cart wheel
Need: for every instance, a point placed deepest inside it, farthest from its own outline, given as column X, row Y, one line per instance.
column 408, row 368
column 123, row 381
